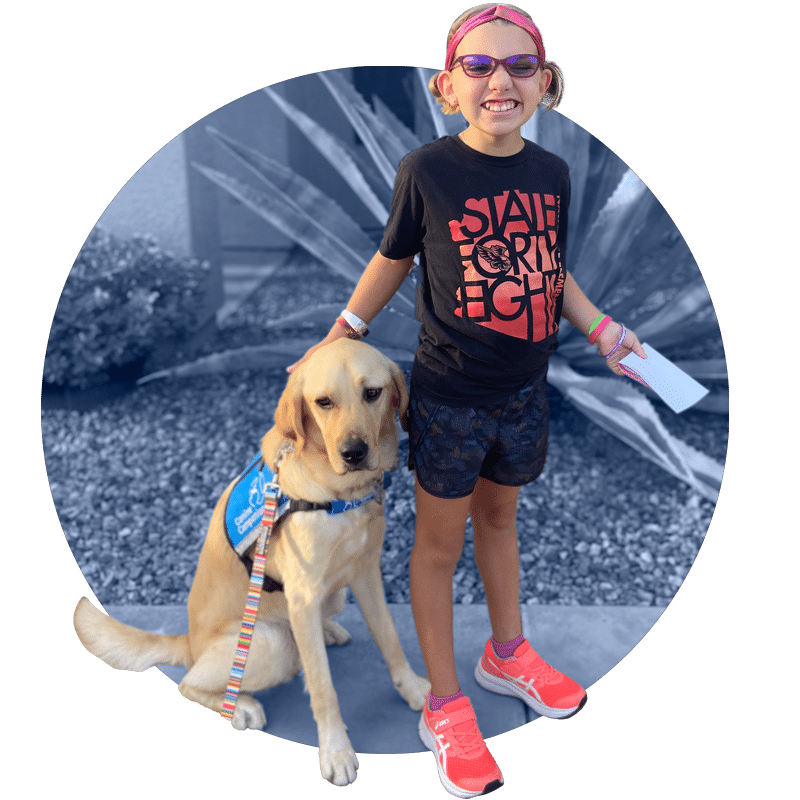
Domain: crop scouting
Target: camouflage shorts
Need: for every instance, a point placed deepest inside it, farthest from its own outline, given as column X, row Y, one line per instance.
column 449, row 448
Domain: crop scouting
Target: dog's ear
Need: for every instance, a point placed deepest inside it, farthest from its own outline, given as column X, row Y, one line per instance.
column 289, row 413
column 399, row 394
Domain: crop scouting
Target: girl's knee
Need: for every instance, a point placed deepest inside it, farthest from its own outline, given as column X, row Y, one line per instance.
column 495, row 520
column 494, row 508
column 441, row 524
column 439, row 549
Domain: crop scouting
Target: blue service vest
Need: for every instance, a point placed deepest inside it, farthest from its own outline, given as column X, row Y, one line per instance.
column 245, row 506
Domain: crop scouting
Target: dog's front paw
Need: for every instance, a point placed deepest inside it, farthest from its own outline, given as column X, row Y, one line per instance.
column 412, row 688
column 249, row 713
column 337, row 759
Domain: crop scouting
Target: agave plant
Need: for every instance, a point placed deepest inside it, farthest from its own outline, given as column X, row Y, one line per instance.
column 624, row 251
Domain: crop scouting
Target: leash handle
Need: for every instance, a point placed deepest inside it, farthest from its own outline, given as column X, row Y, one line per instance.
column 252, row 602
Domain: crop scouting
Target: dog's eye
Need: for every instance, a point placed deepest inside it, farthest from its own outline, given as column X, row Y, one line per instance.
column 324, row 402
column 371, row 395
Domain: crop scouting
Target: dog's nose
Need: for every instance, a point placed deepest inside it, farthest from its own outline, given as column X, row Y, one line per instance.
column 354, row 451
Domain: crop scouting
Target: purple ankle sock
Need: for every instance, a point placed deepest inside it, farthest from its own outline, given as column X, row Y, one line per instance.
column 435, row 703
column 507, row 649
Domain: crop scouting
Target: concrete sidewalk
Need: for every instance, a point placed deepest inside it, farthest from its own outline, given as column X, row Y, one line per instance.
column 585, row 642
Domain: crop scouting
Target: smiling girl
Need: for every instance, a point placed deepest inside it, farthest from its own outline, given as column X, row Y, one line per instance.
column 487, row 213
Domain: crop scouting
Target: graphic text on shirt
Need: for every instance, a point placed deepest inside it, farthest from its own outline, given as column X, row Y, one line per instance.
column 513, row 273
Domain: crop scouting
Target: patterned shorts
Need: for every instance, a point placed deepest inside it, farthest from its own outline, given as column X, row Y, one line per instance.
column 449, row 448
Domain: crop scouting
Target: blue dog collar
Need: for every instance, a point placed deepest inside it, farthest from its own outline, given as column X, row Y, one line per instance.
column 340, row 506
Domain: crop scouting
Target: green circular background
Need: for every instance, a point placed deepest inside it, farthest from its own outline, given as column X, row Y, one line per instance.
column 97, row 90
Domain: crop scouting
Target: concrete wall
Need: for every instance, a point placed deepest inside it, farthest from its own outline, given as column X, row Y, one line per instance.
column 154, row 201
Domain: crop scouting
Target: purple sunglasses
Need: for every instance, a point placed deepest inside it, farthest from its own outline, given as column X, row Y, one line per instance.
column 524, row 65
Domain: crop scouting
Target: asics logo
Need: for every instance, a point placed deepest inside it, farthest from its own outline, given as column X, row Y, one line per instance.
column 527, row 686
column 440, row 723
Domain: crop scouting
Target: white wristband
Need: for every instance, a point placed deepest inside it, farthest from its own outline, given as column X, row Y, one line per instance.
column 355, row 322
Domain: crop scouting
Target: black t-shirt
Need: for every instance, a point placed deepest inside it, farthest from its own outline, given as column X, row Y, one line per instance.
column 491, row 236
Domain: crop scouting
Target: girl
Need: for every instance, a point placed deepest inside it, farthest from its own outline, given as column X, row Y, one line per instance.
column 487, row 213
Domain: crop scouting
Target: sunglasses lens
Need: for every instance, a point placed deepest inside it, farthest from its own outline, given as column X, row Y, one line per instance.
column 522, row 66
column 478, row 66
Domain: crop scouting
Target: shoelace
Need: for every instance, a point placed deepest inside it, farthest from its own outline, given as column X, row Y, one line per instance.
column 468, row 741
column 545, row 672
column 542, row 671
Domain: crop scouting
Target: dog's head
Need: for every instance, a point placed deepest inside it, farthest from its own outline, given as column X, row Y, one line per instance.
column 342, row 402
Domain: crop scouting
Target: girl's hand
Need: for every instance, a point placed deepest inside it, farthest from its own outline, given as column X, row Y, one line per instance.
column 607, row 341
column 337, row 332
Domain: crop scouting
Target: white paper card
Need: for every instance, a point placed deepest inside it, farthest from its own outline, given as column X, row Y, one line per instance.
column 677, row 389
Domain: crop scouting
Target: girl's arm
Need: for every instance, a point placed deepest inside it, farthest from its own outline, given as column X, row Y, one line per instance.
column 376, row 287
column 581, row 312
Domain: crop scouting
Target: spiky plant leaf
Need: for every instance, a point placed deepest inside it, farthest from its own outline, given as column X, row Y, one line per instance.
column 307, row 222
column 599, row 262
column 665, row 324
column 322, row 314
column 295, row 222
column 265, row 356
column 595, row 172
column 336, row 153
column 715, row 403
column 388, row 118
column 655, row 265
column 382, row 144
column 424, row 76
column 428, row 109
column 389, row 331
column 709, row 369
column 321, row 211
column 394, row 331
column 626, row 413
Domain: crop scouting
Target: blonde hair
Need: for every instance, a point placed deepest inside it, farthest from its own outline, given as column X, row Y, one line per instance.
column 552, row 97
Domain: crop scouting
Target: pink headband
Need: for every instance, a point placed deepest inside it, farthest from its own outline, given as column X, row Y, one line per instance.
column 495, row 12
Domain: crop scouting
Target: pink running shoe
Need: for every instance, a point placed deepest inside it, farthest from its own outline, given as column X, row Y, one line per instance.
column 466, row 767
column 528, row 676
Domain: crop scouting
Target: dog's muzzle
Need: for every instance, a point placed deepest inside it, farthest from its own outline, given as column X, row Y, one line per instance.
column 353, row 452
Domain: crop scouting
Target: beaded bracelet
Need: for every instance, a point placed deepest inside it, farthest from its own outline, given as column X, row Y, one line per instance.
column 598, row 326
column 356, row 323
column 618, row 345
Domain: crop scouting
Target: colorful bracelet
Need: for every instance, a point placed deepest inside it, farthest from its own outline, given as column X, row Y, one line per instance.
column 598, row 326
column 356, row 323
column 597, row 320
column 618, row 345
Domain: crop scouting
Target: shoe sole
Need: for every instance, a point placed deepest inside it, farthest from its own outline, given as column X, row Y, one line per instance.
column 502, row 686
column 430, row 742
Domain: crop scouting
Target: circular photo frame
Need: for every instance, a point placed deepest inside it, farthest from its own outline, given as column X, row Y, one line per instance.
column 231, row 251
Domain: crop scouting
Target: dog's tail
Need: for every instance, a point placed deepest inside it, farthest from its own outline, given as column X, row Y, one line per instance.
column 124, row 647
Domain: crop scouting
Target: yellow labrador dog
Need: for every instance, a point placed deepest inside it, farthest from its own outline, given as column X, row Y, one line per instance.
column 336, row 433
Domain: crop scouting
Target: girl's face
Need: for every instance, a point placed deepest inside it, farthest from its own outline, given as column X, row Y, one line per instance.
column 498, row 106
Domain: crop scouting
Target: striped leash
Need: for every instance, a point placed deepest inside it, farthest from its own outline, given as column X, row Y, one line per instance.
column 272, row 492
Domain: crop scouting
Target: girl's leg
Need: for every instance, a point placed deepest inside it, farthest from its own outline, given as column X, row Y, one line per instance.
column 494, row 520
column 494, row 511
column 439, row 540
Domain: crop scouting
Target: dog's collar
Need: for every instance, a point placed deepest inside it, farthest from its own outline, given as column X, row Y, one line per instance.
column 340, row 506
